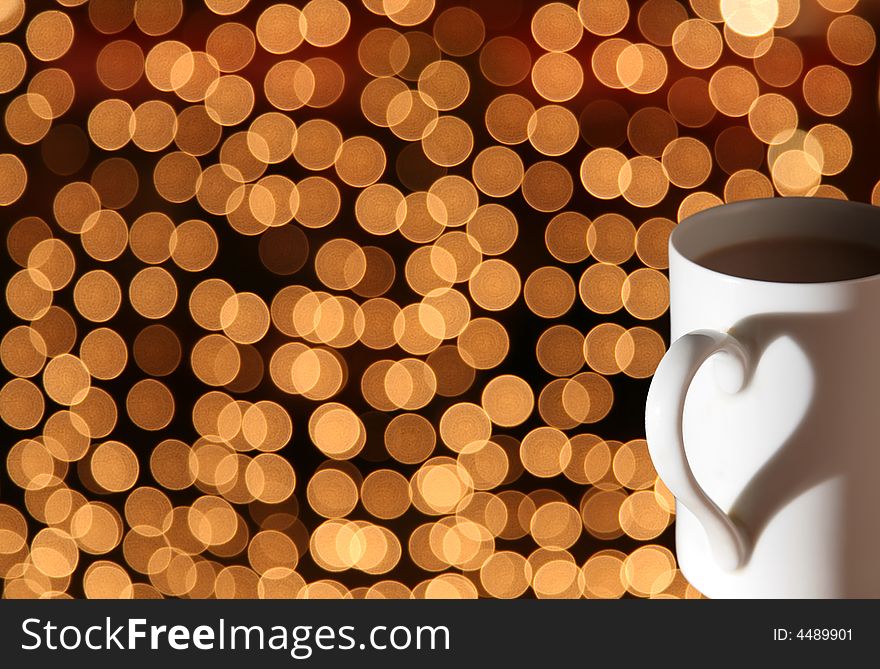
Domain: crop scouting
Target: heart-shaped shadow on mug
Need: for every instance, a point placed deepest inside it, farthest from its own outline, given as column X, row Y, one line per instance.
column 794, row 430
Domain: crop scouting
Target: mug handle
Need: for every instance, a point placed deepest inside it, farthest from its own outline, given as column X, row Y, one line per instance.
column 663, row 428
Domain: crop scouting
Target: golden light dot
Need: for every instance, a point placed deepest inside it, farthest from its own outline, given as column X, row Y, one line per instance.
column 56, row 86
column 652, row 241
column 549, row 292
column 410, row 438
column 332, row 493
column 114, row 466
column 600, row 288
column 272, row 552
column 340, row 264
column 22, row 404
column 733, row 90
column 289, row 84
column 459, row 31
column 773, row 118
column 559, row 350
column 557, row 76
column 120, row 64
column 839, row 6
column 750, row 17
column 833, row 144
column 507, row 118
column 109, row 124
column 360, row 161
column 23, row 351
column 748, row 46
column 447, row 141
column 232, row 45
column 452, row 199
column 337, row 431
column 28, row 118
column 98, row 410
column 604, row 61
column 319, row 202
column 553, row 130
column 13, row 177
column 150, row 404
column 159, row 17
column 377, row 50
column 244, row 318
column 177, row 176
column 747, row 184
column 505, row 60
column 687, row 161
column 643, row 181
column 53, row 260
column 827, row 90
column 599, row 347
column 385, row 494
column 193, row 245
column 547, row 186
column 557, row 27
column 66, row 379
column 226, row 7
column 641, row 68
column 230, row 101
column 12, row 66
column 638, row 352
column 603, row 577
column 603, row 17
column 280, row 28
column 555, row 525
column 197, row 133
column 326, row 22
column 645, row 293
column 696, row 202
column 697, row 43
column 781, row 64
column 157, row 350
column 495, row 285
column 505, row 575
column 649, row 570
column 508, row 400
column 11, row 13
column 545, row 452
column 497, row 171
column 97, row 296
column 600, row 172
column 49, row 35
column 104, row 235
column 107, row 580
column 650, row 129
column 193, row 75
column 104, row 353
column 689, row 102
column 796, row 172
column 658, row 20
column 215, row 360
column 54, row 553
column 116, row 182
column 29, row 294
column 444, row 84
column 153, row 292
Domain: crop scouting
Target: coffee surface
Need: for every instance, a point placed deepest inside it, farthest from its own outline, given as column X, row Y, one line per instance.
column 795, row 260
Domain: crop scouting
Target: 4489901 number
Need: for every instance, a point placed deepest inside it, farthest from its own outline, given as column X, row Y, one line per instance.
column 813, row 634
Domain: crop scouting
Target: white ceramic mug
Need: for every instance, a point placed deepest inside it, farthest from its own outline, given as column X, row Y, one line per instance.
column 772, row 449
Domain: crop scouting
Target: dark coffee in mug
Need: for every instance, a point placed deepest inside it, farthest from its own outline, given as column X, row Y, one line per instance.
column 795, row 260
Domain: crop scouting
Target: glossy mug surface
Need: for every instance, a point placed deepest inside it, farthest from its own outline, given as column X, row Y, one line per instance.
column 763, row 417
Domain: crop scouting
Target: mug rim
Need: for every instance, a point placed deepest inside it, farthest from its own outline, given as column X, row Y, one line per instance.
column 774, row 226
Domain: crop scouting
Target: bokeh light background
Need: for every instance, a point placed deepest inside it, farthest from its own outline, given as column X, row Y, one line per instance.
column 362, row 299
